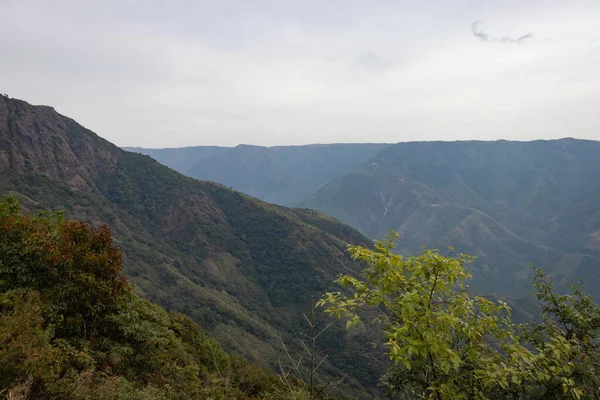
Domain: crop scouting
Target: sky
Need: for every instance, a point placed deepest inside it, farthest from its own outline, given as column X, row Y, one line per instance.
column 182, row 73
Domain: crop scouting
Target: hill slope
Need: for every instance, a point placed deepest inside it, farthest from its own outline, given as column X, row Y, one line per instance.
column 509, row 203
column 244, row 269
column 71, row 327
column 282, row 175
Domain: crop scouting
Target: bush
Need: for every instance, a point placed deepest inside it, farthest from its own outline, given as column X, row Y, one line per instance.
column 446, row 344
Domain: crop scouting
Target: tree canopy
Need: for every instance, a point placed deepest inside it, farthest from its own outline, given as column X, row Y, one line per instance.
column 448, row 344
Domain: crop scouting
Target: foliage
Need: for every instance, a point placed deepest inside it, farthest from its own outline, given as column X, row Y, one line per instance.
column 446, row 344
column 75, row 265
column 568, row 337
column 71, row 327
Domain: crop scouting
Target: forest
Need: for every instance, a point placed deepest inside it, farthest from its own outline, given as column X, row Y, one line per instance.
column 72, row 327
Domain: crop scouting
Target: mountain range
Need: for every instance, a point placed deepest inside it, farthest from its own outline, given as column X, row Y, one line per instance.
column 510, row 204
column 229, row 252
column 282, row 175
column 243, row 269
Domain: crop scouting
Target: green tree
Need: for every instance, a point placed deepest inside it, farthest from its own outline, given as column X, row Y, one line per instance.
column 75, row 265
column 447, row 344
column 567, row 343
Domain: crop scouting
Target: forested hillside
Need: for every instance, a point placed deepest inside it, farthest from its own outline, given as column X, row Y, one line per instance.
column 243, row 269
column 511, row 204
column 72, row 328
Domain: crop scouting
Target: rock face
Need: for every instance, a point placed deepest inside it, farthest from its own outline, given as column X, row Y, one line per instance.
column 243, row 269
column 39, row 140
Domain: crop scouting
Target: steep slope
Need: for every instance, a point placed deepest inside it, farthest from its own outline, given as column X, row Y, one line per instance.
column 244, row 269
column 71, row 327
column 509, row 203
column 282, row 175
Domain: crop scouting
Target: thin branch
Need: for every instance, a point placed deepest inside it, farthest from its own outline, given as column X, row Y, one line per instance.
column 305, row 347
column 323, row 330
column 336, row 384
column 284, row 379
column 437, row 275
column 568, row 332
column 295, row 366
column 319, row 392
column 215, row 361
column 307, row 320
column 321, row 362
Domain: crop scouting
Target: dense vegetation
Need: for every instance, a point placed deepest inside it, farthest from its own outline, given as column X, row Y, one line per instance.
column 243, row 269
column 447, row 344
column 510, row 204
column 72, row 328
column 283, row 174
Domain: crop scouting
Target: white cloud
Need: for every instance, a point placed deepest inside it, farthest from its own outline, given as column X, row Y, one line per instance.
column 191, row 73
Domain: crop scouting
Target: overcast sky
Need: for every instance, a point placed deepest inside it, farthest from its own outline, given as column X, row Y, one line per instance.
column 179, row 73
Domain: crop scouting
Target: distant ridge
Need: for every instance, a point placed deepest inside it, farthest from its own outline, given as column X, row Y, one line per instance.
column 511, row 204
column 280, row 174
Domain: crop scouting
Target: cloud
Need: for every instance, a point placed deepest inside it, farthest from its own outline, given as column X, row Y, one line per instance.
column 288, row 72
column 477, row 32
column 372, row 62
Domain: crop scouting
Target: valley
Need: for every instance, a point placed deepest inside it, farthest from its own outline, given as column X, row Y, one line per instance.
column 299, row 200
column 510, row 204
column 246, row 270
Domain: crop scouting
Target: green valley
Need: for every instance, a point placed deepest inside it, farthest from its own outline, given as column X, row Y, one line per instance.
column 510, row 204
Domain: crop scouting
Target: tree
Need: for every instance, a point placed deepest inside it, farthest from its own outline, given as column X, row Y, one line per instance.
column 446, row 344
column 568, row 338
column 75, row 265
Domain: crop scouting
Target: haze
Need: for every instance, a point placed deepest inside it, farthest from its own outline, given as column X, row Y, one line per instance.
column 180, row 73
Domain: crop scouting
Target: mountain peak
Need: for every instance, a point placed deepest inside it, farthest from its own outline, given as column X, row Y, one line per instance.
column 37, row 139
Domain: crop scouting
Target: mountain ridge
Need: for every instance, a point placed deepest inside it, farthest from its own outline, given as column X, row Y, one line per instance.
column 278, row 174
column 243, row 269
column 537, row 195
column 543, row 193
